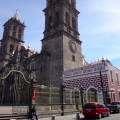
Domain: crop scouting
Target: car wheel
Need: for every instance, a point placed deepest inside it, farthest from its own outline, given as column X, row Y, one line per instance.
column 119, row 110
column 108, row 114
column 99, row 116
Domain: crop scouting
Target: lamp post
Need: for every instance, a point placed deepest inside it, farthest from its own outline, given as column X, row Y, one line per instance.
column 81, row 93
column 62, row 99
column 102, row 85
column 32, row 82
column 62, row 91
column 101, row 80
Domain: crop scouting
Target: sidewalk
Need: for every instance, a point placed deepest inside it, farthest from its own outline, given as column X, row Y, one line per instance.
column 67, row 117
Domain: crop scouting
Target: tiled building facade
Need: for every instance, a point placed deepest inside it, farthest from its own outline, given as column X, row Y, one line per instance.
column 88, row 77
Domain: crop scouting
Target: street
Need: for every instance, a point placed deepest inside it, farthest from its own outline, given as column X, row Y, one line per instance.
column 113, row 116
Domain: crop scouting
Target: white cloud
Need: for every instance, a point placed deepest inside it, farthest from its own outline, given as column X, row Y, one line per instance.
column 99, row 25
column 105, row 15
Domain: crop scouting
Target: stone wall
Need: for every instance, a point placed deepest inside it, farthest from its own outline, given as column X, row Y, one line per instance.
column 55, row 109
column 44, row 111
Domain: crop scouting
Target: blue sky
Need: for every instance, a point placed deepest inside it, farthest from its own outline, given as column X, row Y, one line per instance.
column 99, row 25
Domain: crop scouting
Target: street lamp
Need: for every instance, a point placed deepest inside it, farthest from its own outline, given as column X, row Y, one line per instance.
column 62, row 99
column 81, row 93
column 62, row 91
column 104, row 100
column 32, row 82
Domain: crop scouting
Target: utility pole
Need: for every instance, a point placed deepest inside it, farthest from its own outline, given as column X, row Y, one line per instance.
column 101, row 80
column 81, row 93
column 62, row 99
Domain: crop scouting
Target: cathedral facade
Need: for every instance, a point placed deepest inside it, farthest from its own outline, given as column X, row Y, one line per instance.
column 61, row 46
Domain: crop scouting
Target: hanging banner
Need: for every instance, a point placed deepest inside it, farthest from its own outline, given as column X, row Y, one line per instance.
column 34, row 93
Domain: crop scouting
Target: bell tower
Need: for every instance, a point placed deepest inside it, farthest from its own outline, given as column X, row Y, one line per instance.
column 61, row 39
column 12, row 39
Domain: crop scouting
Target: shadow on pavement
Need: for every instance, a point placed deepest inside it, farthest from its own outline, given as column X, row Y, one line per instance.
column 90, row 118
column 114, row 113
column 85, row 118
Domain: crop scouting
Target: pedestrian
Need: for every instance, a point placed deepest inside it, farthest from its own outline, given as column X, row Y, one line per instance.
column 33, row 113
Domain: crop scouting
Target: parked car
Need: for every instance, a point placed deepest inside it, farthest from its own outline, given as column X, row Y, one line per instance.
column 114, row 107
column 95, row 109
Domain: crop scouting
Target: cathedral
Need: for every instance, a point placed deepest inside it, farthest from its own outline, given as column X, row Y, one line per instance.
column 61, row 45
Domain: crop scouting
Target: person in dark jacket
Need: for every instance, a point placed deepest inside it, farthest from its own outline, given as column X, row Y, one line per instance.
column 33, row 113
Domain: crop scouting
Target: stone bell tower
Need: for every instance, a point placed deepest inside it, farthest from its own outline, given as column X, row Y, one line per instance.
column 12, row 39
column 61, row 39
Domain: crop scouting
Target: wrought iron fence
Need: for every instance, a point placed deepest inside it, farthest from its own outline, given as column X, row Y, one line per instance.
column 78, row 98
column 47, row 95
column 52, row 95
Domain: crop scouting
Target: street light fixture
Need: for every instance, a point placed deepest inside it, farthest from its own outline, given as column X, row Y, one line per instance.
column 81, row 93
column 62, row 99
column 101, row 80
column 32, row 82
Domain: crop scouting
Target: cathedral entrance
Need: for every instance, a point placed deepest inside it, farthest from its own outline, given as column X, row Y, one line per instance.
column 92, row 95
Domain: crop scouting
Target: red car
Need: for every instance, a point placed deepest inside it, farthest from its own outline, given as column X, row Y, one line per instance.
column 95, row 109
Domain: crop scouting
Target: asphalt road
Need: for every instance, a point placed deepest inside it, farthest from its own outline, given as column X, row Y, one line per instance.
column 113, row 116
column 73, row 117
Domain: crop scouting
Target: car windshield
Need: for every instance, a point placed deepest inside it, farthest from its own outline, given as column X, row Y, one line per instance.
column 89, row 105
column 114, row 103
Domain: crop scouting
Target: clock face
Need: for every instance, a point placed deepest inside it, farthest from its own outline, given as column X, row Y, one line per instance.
column 72, row 46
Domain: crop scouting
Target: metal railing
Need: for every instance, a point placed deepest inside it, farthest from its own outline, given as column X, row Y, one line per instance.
column 47, row 95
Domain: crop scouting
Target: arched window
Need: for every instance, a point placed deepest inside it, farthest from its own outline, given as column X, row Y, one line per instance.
column 19, row 30
column 50, row 22
column 14, row 34
column 73, row 23
column 92, row 95
column 11, row 48
column 19, row 36
column 67, row 19
column 56, row 17
column 14, row 28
